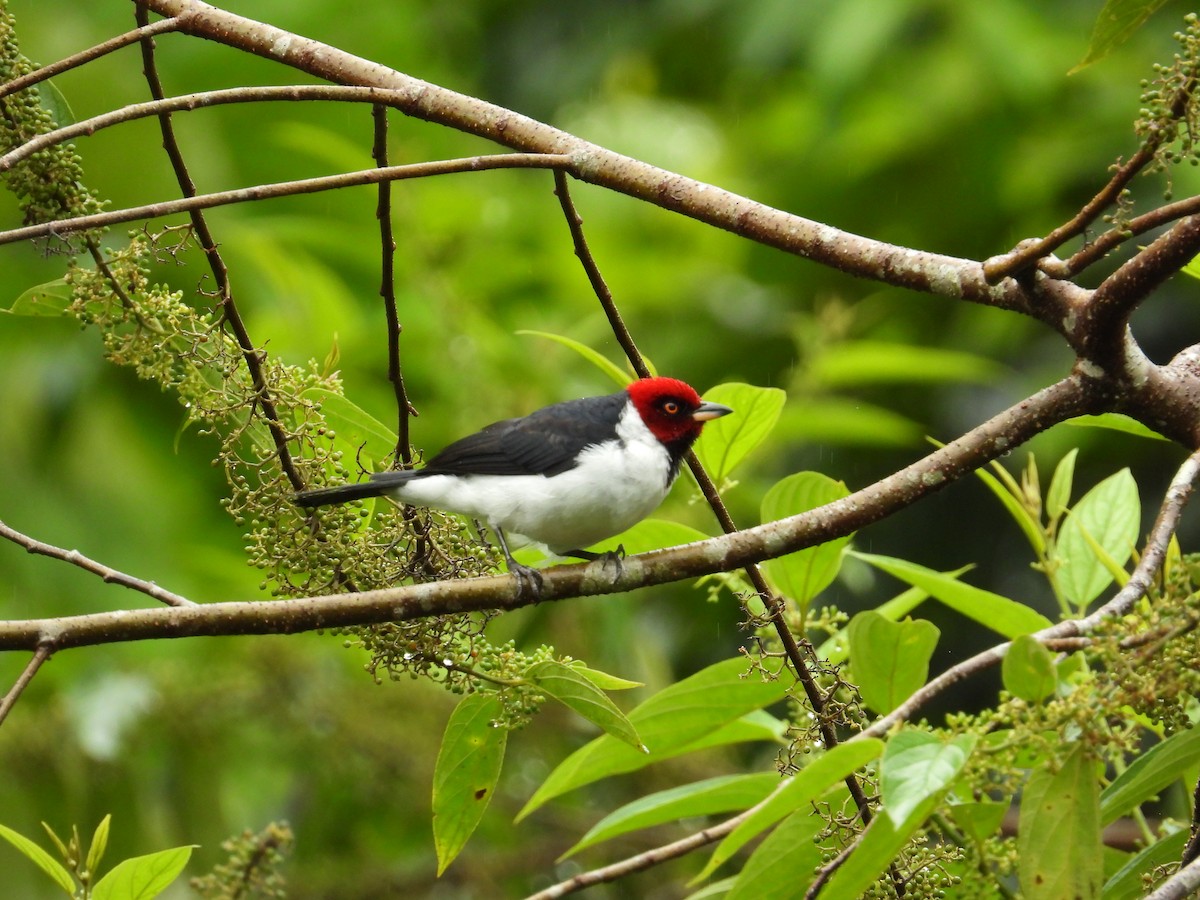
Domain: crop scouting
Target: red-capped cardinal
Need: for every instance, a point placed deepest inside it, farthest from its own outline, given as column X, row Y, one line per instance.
column 566, row 476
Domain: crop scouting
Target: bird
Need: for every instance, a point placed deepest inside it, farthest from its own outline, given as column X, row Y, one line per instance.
column 566, row 476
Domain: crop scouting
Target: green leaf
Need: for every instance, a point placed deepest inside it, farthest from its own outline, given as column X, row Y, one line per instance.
column 1149, row 773
column 652, row 534
column 726, row 441
column 668, row 723
column 603, row 680
column 1016, row 509
column 573, row 689
column 701, row 798
column 980, row 820
column 879, row 845
column 783, row 864
column 836, row 649
column 808, row 784
column 465, row 776
column 858, row 363
column 41, row 859
column 803, row 574
column 602, row 362
column 1115, row 422
column 1058, row 837
column 1126, row 883
column 1110, row 514
column 355, row 426
column 1005, row 616
column 918, row 766
column 99, row 843
column 55, row 102
column 49, row 299
column 142, row 877
column 1058, row 496
column 1029, row 671
column 1116, row 23
column 844, row 421
column 890, row 660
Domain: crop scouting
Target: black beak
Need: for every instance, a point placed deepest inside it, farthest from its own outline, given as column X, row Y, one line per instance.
column 706, row 411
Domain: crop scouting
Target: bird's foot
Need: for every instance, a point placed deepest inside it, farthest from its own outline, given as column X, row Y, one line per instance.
column 609, row 559
column 529, row 580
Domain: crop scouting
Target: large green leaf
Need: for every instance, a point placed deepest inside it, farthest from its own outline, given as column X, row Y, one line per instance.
column 40, row 858
column 910, row 796
column 668, row 723
column 857, row 363
column 355, row 427
column 890, row 659
column 1058, row 838
column 574, row 689
column 599, row 360
column 1001, row 614
column 1107, row 517
column 702, row 798
column 918, row 765
column 726, row 441
column 795, row 794
column 1116, row 23
column 49, row 299
column 1127, row 882
column 783, row 864
column 803, row 574
column 464, row 778
column 142, row 877
column 1152, row 771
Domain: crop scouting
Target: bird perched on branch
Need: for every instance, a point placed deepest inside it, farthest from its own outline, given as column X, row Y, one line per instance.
column 566, row 476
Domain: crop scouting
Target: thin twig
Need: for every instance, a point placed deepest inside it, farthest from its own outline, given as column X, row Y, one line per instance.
column 1017, row 261
column 252, row 355
column 592, row 270
column 108, row 574
column 162, row 26
column 40, row 655
column 162, row 105
column 1114, row 237
column 645, row 860
column 289, row 188
column 387, row 287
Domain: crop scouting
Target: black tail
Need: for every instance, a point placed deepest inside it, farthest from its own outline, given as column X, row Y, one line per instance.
column 379, row 484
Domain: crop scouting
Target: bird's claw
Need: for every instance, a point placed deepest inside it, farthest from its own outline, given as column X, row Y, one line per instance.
column 529, row 580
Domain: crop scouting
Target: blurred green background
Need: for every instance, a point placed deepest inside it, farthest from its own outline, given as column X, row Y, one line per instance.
column 946, row 126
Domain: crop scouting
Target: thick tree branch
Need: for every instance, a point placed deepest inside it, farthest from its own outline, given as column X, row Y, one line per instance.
column 994, row 438
column 1100, row 329
column 879, row 261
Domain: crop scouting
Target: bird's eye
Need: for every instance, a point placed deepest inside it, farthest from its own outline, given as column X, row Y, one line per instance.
column 671, row 408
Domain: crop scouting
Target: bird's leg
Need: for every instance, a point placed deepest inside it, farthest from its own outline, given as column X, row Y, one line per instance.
column 528, row 579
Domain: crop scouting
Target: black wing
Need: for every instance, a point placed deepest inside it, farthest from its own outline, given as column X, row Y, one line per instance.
column 545, row 442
